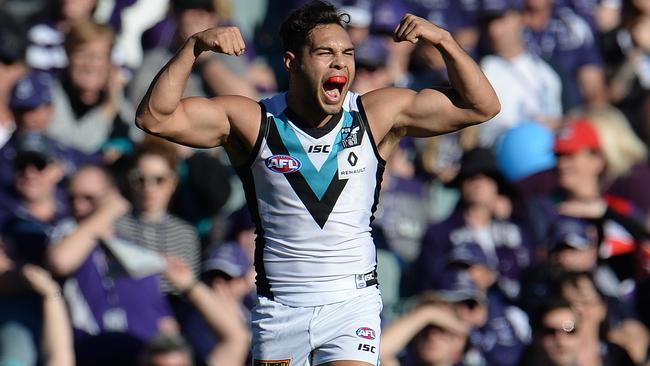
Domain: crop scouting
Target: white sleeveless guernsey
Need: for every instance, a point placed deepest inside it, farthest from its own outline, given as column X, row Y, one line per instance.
column 312, row 193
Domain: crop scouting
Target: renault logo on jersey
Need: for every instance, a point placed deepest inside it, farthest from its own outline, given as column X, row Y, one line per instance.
column 283, row 164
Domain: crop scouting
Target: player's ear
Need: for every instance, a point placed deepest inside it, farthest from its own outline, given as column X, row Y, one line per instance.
column 289, row 60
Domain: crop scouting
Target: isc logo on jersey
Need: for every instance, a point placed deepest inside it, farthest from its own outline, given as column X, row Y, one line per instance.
column 366, row 333
column 283, row 164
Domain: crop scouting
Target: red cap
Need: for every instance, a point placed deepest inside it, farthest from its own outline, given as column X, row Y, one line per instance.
column 576, row 136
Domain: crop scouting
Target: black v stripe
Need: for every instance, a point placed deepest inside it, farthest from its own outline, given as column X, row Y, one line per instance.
column 319, row 209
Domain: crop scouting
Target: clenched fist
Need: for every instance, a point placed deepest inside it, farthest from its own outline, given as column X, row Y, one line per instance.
column 227, row 40
column 413, row 29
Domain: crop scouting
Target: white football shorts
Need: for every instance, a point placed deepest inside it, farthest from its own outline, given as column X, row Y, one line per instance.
column 305, row 336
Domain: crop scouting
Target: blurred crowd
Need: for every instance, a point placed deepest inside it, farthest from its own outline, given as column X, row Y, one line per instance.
column 521, row 241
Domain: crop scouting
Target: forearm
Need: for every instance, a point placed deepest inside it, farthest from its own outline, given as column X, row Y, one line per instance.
column 166, row 90
column 234, row 338
column 70, row 252
column 57, row 332
column 467, row 79
column 396, row 336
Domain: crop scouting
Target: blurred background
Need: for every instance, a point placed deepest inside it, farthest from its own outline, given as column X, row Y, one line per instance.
column 521, row 241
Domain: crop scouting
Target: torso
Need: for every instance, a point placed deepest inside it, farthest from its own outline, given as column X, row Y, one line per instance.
column 312, row 193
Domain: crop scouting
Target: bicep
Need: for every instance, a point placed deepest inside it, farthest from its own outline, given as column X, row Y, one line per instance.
column 433, row 112
column 429, row 112
column 206, row 123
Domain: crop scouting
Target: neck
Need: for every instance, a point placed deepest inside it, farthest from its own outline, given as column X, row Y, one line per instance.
column 478, row 216
column 153, row 215
column 510, row 53
column 42, row 209
column 308, row 116
column 588, row 190
column 89, row 97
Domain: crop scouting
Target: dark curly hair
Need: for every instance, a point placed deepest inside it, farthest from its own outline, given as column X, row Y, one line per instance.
column 296, row 26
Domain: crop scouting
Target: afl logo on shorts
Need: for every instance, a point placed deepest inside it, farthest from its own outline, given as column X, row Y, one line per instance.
column 283, row 164
column 366, row 333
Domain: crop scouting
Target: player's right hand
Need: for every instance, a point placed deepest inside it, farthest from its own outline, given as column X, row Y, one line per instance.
column 227, row 40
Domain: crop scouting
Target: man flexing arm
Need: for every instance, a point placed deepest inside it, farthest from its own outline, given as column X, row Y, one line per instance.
column 196, row 121
column 396, row 112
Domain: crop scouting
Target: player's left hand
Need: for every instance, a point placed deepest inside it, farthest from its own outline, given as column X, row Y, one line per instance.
column 414, row 29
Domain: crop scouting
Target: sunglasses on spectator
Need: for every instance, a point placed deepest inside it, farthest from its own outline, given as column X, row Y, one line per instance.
column 20, row 164
column 140, row 180
column 569, row 328
column 470, row 304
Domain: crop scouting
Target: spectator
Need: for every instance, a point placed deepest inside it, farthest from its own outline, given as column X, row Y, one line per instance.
column 480, row 217
column 573, row 249
column 431, row 334
column 46, row 51
column 625, row 51
column 116, row 306
column 601, row 327
column 220, row 337
column 371, row 57
column 31, row 208
column 204, row 187
column 153, row 180
column 626, row 157
column 499, row 332
column 31, row 106
column 528, row 88
column 565, row 40
column 167, row 350
column 90, row 112
column 580, row 167
column 555, row 340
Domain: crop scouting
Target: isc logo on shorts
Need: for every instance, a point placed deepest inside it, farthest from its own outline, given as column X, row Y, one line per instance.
column 283, row 164
column 366, row 333
column 272, row 363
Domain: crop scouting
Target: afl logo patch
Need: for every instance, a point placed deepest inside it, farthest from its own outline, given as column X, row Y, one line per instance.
column 283, row 164
column 366, row 333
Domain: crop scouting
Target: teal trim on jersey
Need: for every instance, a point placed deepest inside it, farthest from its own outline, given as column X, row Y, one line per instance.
column 318, row 180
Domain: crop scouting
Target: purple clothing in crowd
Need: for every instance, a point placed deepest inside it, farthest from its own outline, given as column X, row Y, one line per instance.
column 567, row 43
column 105, row 287
column 511, row 249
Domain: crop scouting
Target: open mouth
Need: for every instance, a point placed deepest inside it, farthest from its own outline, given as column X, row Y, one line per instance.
column 333, row 87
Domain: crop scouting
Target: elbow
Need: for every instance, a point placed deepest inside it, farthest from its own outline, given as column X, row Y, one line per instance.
column 486, row 112
column 492, row 109
column 147, row 119
column 58, row 266
column 148, row 123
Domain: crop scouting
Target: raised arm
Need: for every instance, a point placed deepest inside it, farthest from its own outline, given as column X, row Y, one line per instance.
column 69, row 252
column 471, row 99
column 218, row 312
column 57, row 342
column 196, row 121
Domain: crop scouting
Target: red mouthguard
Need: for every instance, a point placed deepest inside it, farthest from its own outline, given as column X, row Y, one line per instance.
column 337, row 79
